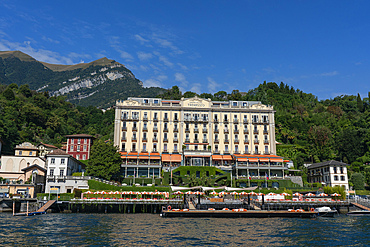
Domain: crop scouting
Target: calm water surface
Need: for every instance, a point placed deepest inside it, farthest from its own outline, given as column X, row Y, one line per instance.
column 152, row 230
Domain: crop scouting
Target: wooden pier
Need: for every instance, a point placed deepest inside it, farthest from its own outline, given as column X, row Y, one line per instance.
column 41, row 210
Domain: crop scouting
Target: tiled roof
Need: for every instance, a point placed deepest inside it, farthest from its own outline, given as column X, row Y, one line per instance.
column 80, row 135
column 58, row 152
column 326, row 163
column 48, row 145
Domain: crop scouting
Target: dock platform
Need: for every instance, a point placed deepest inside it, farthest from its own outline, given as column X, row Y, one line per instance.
column 239, row 214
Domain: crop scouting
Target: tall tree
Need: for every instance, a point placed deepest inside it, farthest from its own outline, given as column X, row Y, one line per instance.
column 105, row 161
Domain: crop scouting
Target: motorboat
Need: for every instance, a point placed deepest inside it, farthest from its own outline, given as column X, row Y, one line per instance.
column 359, row 212
column 325, row 212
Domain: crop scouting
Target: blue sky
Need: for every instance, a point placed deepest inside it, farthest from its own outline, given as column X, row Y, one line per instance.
column 320, row 47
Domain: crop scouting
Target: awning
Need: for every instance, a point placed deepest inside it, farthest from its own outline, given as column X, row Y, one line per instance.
column 175, row 157
column 276, row 160
column 242, row 159
column 227, row 157
column 200, row 156
column 166, row 157
column 143, row 157
column 264, row 159
column 154, row 157
column 253, row 159
column 123, row 153
column 216, row 157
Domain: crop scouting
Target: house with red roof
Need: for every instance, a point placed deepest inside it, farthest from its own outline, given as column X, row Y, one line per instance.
column 79, row 146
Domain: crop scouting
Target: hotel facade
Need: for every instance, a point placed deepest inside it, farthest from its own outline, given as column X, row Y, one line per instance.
column 153, row 134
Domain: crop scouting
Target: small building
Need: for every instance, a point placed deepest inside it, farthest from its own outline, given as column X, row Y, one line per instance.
column 79, row 146
column 11, row 167
column 331, row 173
column 44, row 149
column 60, row 169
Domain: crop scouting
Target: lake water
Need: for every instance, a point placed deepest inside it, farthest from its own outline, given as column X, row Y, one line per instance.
column 152, row 230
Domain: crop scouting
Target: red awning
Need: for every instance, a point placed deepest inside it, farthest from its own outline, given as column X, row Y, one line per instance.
column 166, row 157
column 175, row 157
column 253, row 159
column 216, row 157
column 242, row 159
column 276, row 160
column 227, row 157
column 264, row 159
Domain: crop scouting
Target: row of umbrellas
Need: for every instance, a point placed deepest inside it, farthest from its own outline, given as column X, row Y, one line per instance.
column 311, row 194
column 127, row 193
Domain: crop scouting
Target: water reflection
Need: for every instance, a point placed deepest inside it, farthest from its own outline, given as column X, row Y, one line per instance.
column 148, row 229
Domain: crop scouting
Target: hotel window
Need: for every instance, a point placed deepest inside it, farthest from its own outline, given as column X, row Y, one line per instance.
column 51, row 172
column 135, row 115
column 235, row 103
column 62, row 161
column 155, row 147
column 165, row 115
column 187, row 116
column 144, row 136
column 256, row 138
column 146, row 101
column 341, row 169
column 235, row 127
column 30, row 153
column 196, row 147
column 84, row 157
column 165, row 126
column 216, row 137
column 236, row 148
column 246, row 149
column 144, row 147
column 20, row 152
column 226, row 129
column 196, row 116
column 204, row 126
column 236, row 137
column 335, row 178
column 123, row 147
column 133, row 147
column 155, row 115
column 266, row 138
column 123, row 125
column 196, row 137
column 245, row 118
column 187, row 147
column 266, row 149
column 61, row 172
column 145, row 115
column 175, row 147
column 225, row 117
column 187, row 126
column 335, row 169
column 175, row 116
column 156, row 101
column 52, row 161
column 165, row 136
column 175, row 136
column 216, row 148
column 204, row 137
column 125, row 115
column 77, row 157
column 246, row 137
column 85, row 141
column 255, row 118
column 204, row 147
column 134, row 125
column 134, row 136
column 85, row 148
column 78, row 148
column 256, row 150
column 175, row 126
column 216, row 117
column 342, row 178
column 165, row 147
column 226, row 137
column 195, row 126
column 255, row 128
column 79, row 141
column 226, row 148
column 216, row 126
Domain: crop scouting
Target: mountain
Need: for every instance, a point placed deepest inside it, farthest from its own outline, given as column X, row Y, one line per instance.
column 99, row 83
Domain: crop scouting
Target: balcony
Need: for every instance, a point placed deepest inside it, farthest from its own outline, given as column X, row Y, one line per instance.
column 145, row 118
column 165, row 119
column 226, row 141
column 226, row 130
column 245, row 121
column 134, row 139
column 135, row 118
column 124, row 118
column 236, row 121
column 187, row 140
column 255, row 132
column 175, row 140
column 155, row 139
column 134, row 128
column 124, row 128
column 265, row 122
column 165, row 139
column 144, row 150
column 256, row 141
column 204, row 130
column 176, row 120
column 187, row 130
column 205, row 141
column 266, row 141
column 266, row 152
column 236, row 141
column 215, row 130
column 165, row 130
column 204, row 119
column 265, row 132
column 196, row 140
column 145, row 129
column 246, row 141
column 226, row 121
column 175, row 130
column 216, row 141
column 144, row 139
column 236, row 131
column 196, row 130
column 123, row 139
column 215, row 120
column 155, row 129
column 246, row 131
column 216, row 151
column 155, row 119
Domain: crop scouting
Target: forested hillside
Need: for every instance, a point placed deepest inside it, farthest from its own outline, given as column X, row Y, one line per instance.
column 26, row 115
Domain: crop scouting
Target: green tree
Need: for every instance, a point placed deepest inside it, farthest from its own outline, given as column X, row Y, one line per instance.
column 358, row 181
column 9, row 94
column 105, row 161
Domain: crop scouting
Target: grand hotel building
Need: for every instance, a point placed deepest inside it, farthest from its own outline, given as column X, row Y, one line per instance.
column 154, row 134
